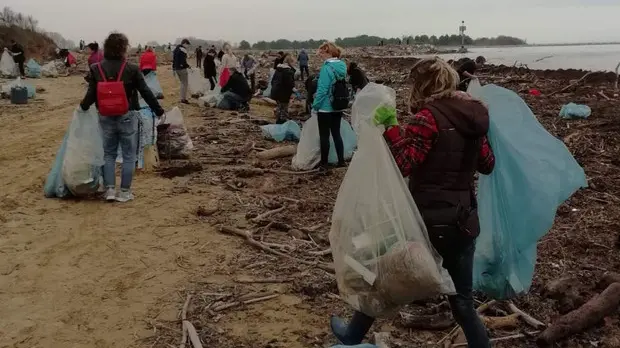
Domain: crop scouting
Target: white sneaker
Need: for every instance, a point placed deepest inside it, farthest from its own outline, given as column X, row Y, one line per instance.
column 110, row 194
column 124, row 196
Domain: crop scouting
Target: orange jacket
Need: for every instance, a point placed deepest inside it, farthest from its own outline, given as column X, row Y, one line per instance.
column 148, row 60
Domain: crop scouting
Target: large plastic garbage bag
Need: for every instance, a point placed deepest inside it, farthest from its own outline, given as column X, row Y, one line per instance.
column 173, row 140
column 382, row 254
column 212, row 97
column 288, row 130
column 33, row 69
column 49, row 70
column 8, row 68
column 55, row 186
column 368, row 99
column 574, row 111
column 534, row 173
column 197, row 83
column 147, row 131
column 81, row 166
column 308, row 153
column 153, row 83
column 18, row 82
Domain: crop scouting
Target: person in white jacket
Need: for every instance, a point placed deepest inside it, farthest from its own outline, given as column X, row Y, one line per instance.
column 228, row 61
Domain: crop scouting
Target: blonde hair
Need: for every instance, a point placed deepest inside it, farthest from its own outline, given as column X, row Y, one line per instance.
column 331, row 48
column 289, row 59
column 431, row 79
column 227, row 48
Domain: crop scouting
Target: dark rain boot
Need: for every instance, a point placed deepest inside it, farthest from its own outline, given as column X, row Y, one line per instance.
column 355, row 331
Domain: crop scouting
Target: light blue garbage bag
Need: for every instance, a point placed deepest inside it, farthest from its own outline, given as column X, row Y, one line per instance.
column 147, row 135
column 534, row 173
column 365, row 345
column 288, row 130
column 574, row 111
column 349, row 139
column 33, row 69
column 54, row 184
column 32, row 92
column 153, row 83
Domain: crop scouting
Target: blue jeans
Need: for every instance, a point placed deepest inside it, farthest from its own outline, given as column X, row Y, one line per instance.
column 231, row 101
column 121, row 131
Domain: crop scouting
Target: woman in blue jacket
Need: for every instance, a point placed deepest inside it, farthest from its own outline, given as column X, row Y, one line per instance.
column 329, row 119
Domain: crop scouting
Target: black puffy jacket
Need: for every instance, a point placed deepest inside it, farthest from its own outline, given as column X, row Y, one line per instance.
column 179, row 58
column 283, row 83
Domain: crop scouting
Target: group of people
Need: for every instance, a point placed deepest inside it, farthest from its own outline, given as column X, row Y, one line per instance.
column 441, row 147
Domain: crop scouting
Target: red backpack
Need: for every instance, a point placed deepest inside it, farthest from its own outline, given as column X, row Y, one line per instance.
column 111, row 96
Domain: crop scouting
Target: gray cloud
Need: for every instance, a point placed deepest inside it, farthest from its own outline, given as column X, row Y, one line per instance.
column 540, row 21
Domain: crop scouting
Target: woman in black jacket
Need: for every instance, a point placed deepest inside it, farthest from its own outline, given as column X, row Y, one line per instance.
column 357, row 77
column 119, row 130
column 210, row 68
column 282, row 87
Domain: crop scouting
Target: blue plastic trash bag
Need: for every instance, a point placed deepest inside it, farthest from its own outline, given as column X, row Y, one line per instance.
column 534, row 173
column 573, row 111
column 288, row 130
column 33, row 69
column 54, row 184
column 365, row 345
column 153, row 83
column 6, row 88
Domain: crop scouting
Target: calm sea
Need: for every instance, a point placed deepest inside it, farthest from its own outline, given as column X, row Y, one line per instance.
column 587, row 57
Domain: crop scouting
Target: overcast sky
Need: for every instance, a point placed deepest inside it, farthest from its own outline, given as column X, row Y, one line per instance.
column 537, row 21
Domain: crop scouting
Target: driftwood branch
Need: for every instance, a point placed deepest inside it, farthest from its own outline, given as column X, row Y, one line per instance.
column 193, row 335
column 526, row 317
column 247, row 302
column 584, row 317
column 263, row 216
column 278, row 152
column 500, row 339
column 251, row 241
column 183, row 319
column 573, row 84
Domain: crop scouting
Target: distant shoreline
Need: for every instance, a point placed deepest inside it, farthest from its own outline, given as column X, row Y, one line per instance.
column 538, row 45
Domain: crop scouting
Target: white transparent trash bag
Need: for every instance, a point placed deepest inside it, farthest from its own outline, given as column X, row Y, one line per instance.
column 382, row 254
column 8, row 68
column 367, row 100
column 81, row 167
column 197, row 83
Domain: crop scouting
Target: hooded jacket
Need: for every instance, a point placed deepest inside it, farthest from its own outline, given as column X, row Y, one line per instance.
column 331, row 70
column 148, row 60
column 442, row 186
column 209, row 64
column 179, row 58
column 239, row 85
column 283, row 83
column 357, row 77
column 95, row 57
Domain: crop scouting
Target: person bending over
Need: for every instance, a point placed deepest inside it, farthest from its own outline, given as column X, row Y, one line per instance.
column 236, row 94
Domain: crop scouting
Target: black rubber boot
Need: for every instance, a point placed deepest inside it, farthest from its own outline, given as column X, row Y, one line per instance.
column 355, row 331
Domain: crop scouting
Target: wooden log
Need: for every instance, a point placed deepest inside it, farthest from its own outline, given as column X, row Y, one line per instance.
column 439, row 321
column 526, row 317
column 507, row 322
column 278, row 152
column 582, row 318
column 608, row 279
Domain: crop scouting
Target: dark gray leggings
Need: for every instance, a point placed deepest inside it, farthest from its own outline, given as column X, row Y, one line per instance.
column 329, row 122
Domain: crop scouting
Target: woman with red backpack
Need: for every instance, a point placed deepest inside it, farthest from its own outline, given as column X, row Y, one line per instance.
column 114, row 87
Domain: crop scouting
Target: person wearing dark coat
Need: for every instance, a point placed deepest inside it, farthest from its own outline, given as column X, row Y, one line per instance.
column 210, row 68
column 282, row 87
column 311, row 84
column 236, row 94
column 220, row 54
column 17, row 51
column 357, row 77
column 467, row 70
column 279, row 60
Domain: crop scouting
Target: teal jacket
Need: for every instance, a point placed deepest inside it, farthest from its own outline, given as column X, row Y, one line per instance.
column 331, row 69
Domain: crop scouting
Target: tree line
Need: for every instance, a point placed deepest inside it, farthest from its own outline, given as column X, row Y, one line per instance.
column 368, row 40
column 10, row 18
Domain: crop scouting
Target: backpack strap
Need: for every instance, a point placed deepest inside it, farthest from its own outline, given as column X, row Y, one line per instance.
column 120, row 72
column 101, row 72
